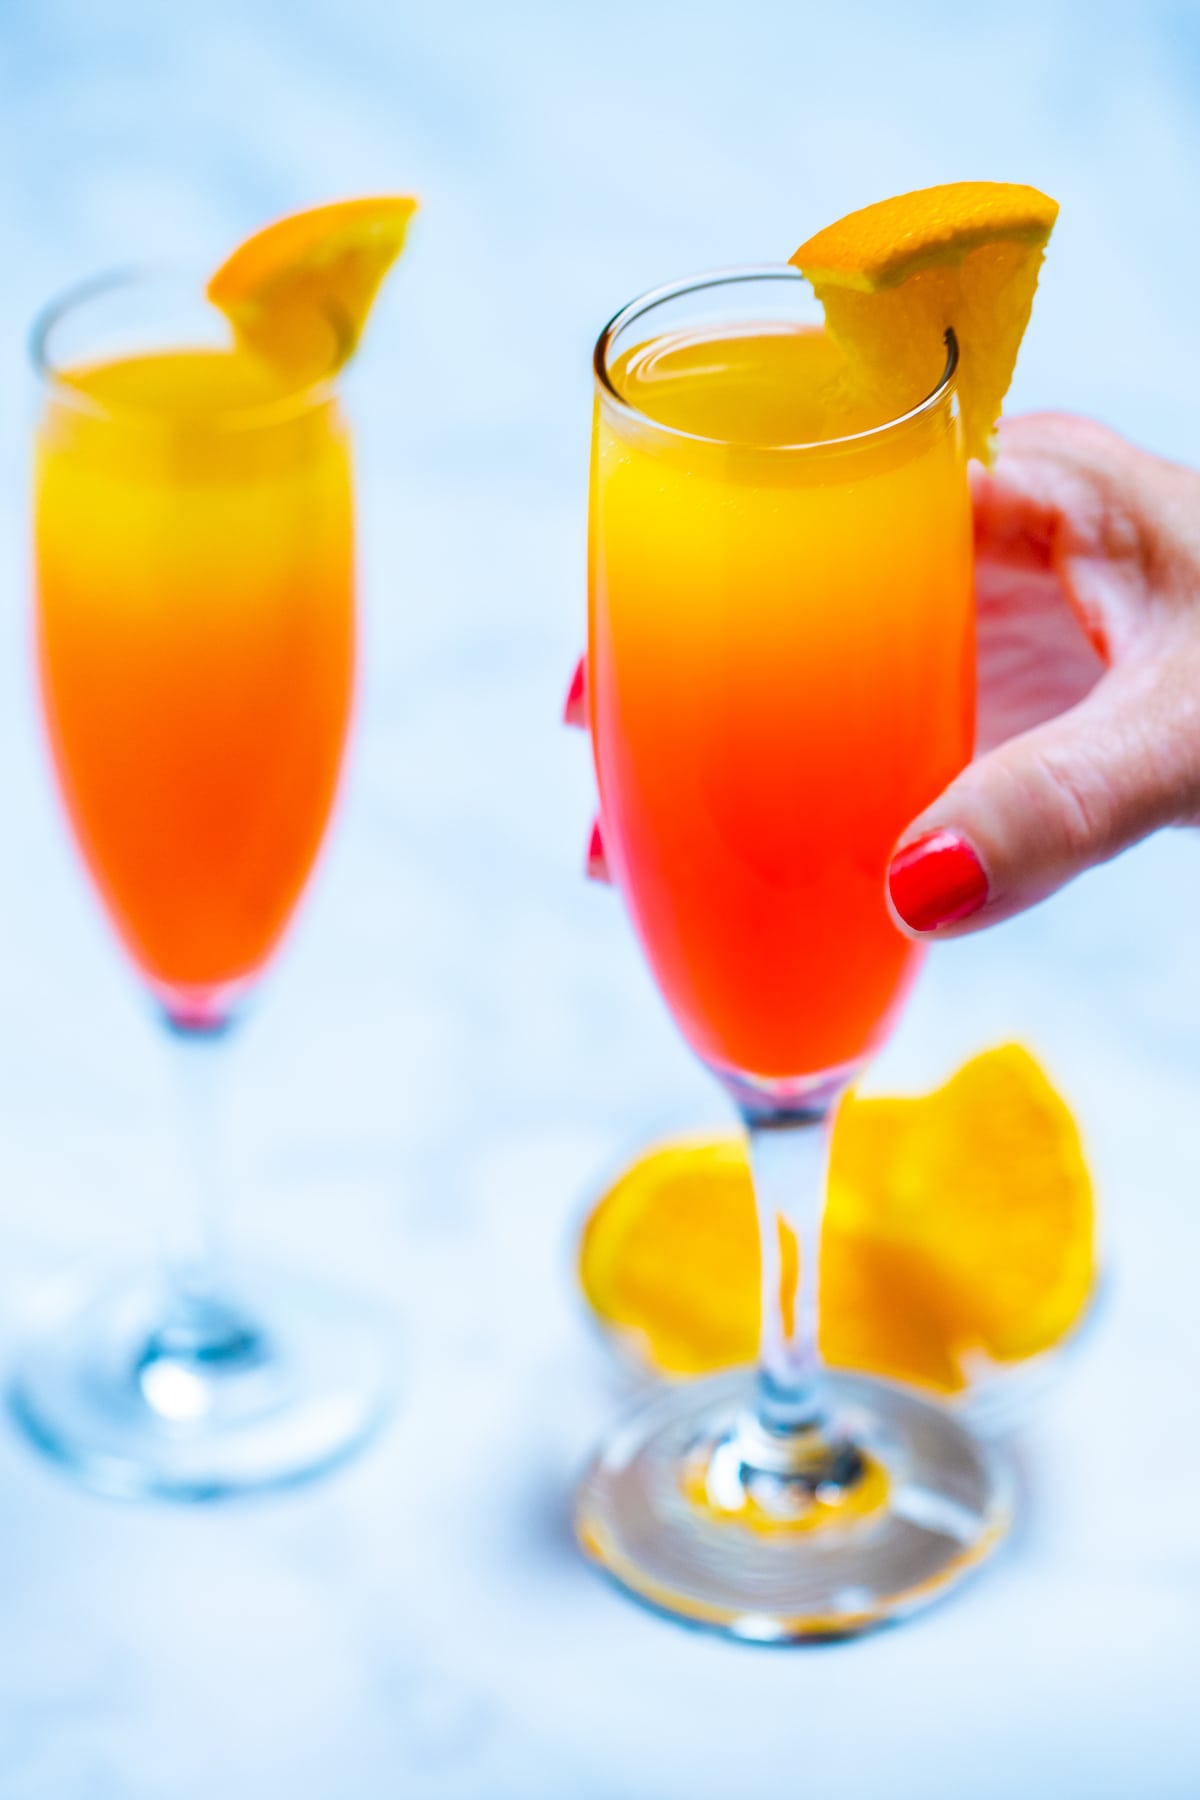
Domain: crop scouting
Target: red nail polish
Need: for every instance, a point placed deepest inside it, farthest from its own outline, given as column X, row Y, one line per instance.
column 596, row 867
column 935, row 880
column 575, row 712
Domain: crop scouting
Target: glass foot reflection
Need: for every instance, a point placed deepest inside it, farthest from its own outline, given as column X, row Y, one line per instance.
column 913, row 1503
column 141, row 1394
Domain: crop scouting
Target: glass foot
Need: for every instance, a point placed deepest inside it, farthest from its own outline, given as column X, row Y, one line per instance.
column 670, row 1510
column 142, row 1394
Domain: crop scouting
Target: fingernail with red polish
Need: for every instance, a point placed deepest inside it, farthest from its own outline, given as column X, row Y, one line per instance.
column 936, row 880
column 575, row 712
column 596, row 867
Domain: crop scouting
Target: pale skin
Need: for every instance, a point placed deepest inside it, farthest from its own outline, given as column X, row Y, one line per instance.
column 1088, row 598
column 1087, row 582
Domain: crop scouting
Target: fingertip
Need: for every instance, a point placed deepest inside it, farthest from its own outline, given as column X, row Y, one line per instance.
column 934, row 880
column 596, row 862
column 575, row 708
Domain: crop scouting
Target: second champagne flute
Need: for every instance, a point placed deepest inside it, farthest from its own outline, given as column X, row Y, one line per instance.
column 195, row 635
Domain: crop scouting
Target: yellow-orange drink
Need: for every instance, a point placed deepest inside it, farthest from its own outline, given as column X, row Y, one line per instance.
column 781, row 669
column 195, row 630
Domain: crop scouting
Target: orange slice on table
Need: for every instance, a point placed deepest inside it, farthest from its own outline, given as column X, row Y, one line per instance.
column 894, row 277
column 987, row 1179
column 959, row 1226
column 312, row 274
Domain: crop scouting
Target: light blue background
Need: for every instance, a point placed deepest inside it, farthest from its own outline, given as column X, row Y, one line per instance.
column 461, row 1039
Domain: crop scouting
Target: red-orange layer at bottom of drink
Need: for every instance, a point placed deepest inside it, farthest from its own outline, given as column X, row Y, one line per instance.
column 781, row 661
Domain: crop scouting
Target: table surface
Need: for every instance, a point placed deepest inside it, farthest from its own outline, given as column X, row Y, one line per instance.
column 460, row 1039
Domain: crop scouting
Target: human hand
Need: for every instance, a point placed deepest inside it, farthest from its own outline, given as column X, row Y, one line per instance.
column 1087, row 582
column 1087, row 558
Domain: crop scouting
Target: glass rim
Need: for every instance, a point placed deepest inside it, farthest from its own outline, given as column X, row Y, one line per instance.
column 732, row 277
column 307, row 395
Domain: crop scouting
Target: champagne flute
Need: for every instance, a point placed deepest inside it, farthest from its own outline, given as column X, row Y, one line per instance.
column 780, row 663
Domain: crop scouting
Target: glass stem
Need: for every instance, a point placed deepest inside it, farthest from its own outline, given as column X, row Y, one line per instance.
column 203, row 1323
column 789, row 1155
column 192, row 1233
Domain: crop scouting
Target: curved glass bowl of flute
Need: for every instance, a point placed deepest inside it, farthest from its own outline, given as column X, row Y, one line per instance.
column 195, row 621
column 780, row 678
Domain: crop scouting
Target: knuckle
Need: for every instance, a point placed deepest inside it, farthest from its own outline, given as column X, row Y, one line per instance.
column 1104, row 792
column 1082, row 800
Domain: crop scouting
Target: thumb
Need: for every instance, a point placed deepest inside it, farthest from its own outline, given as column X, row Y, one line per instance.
column 1024, row 819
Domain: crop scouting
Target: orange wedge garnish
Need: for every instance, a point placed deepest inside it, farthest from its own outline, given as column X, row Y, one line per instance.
column 311, row 278
column 894, row 277
column 959, row 1228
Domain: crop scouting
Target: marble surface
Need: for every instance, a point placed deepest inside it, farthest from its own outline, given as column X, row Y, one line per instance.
column 460, row 1039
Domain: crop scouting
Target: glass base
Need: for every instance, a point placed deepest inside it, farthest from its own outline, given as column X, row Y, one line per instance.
column 141, row 1393
column 669, row 1513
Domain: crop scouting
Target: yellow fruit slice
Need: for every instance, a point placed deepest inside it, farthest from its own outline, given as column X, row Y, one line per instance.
column 887, row 1308
column 308, row 281
column 670, row 1255
column 894, row 277
column 959, row 1225
column 986, row 1178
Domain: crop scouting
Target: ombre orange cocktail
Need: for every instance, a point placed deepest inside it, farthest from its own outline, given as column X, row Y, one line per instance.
column 196, row 634
column 781, row 676
column 781, row 660
column 195, row 628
